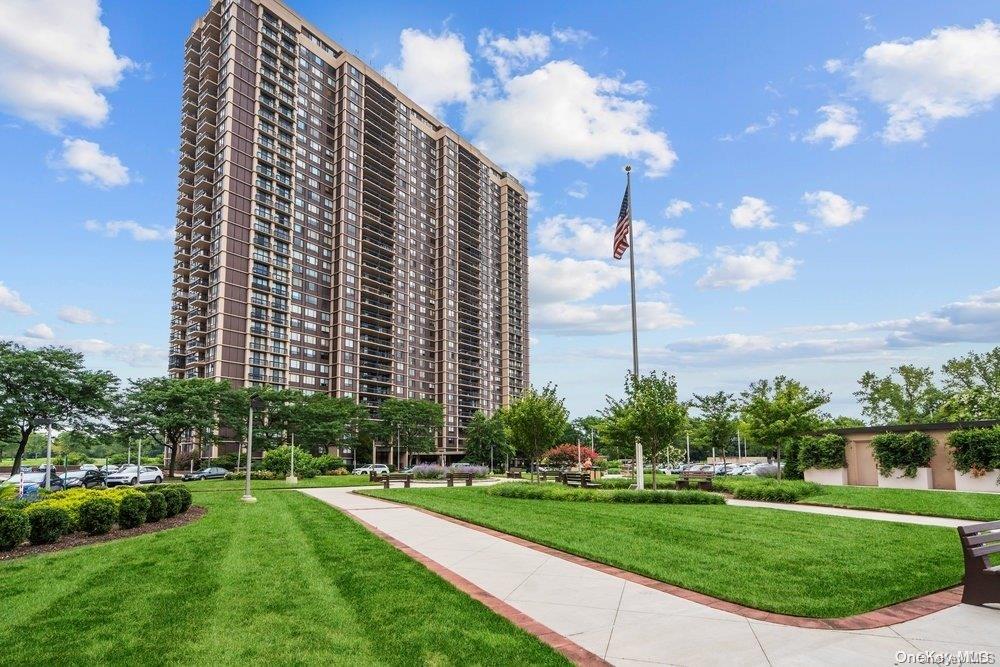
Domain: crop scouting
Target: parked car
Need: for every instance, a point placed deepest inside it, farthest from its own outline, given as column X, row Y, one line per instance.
column 128, row 474
column 89, row 466
column 34, row 481
column 206, row 473
column 378, row 469
column 109, row 468
column 83, row 479
column 47, row 466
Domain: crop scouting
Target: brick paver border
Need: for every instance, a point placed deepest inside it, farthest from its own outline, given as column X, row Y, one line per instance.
column 878, row 618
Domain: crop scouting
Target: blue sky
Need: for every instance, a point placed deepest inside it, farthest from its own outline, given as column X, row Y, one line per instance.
column 831, row 168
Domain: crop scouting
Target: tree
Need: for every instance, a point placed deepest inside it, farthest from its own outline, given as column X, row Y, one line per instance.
column 569, row 454
column 534, row 421
column 411, row 423
column 841, row 421
column 170, row 410
column 776, row 415
column 911, row 399
column 717, row 426
column 51, row 383
column 485, row 439
column 326, row 420
column 972, row 384
column 588, row 427
column 650, row 412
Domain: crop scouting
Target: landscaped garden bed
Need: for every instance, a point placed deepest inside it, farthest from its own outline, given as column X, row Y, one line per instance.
column 789, row 562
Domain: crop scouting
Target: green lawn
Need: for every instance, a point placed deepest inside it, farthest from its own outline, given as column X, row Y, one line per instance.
column 957, row 505
column 264, row 484
column 787, row 562
column 287, row 580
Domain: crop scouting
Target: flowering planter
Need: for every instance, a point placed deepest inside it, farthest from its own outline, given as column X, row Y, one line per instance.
column 984, row 484
column 923, row 480
column 827, row 476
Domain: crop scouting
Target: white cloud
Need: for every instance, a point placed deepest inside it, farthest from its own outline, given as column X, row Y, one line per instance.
column 751, row 213
column 138, row 232
column 578, row 190
column 133, row 355
column 11, row 301
column 561, row 112
column 592, row 238
column 77, row 315
column 92, row 165
column 434, row 70
column 574, row 319
column 753, row 128
column 757, row 265
column 40, row 331
column 800, row 227
column 56, row 60
column 567, row 279
column 833, row 210
column 952, row 73
column 511, row 54
column 833, row 65
column 571, row 36
column 840, row 127
column 677, row 207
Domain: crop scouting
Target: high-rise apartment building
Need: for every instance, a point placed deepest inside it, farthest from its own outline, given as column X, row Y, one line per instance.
column 332, row 236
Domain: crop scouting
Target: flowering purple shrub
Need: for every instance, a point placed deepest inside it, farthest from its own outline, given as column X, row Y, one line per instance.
column 435, row 471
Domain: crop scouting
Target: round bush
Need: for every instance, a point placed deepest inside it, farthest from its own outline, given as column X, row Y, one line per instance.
column 173, row 499
column 97, row 515
column 823, row 451
column 185, row 498
column 133, row 511
column 14, row 528
column 48, row 524
column 157, row 507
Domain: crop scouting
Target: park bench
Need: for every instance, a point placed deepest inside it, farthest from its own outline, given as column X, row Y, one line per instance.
column 700, row 478
column 452, row 476
column 982, row 580
column 546, row 475
column 580, row 479
column 403, row 477
column 514, row 473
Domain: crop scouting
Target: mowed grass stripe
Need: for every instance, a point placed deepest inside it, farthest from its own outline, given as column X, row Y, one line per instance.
column 287, row 580
column 952, row 504
column 782, row 561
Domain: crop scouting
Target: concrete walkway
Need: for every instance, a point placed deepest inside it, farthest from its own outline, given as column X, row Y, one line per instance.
column 629, row 624
column 858, row 514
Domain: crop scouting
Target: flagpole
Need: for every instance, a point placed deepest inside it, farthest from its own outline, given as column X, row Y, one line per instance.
column 640, row 474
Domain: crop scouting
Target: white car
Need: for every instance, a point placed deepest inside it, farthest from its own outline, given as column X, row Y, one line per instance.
column 127, row 475
column 378, row 469
column 88, row 466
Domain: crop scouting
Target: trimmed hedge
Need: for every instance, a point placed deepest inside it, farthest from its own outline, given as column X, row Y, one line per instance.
column 133, row 511
column 48, row 523
column 14, row 528
column 975, row 450
column 157, row 507
column 173, row 499
column 97, row 515
column 186, row 497
column 905, row 451
column 528, row 491
column 823, row 451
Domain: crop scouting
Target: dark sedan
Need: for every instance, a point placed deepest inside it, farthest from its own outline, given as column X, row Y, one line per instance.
column 83, row 479
column 206, row 473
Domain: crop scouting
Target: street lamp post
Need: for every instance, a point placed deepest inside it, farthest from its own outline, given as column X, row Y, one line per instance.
column 292, row 479
column 47, row 423
column 255, row 403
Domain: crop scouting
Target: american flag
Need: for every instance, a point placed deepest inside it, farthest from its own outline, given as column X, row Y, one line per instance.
column 624, row 222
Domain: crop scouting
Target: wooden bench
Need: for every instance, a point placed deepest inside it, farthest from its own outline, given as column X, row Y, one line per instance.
column 700, row 478
column 546, row 475
column 982, row 580
column 580, row 479
column 403, row 477
column 514, row 473
column 452, row 476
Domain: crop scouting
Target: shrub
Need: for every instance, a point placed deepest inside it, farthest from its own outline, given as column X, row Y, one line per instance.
column 768, row 490
column 157, row 507
column 339, row 471
column 48, row 523
column 172, row 497
column 14, row 528
column 227, row 461
column 975, row 450
column 279, row 462
column 477, row 471
column 568, row 455
column 525, row 491
column 328, row 464
column 614, row 471
column 133, row 510
column 906, row 451
column 185, row 496
column 822, row 451
column 97, row 515
column 428, row 471
column 254, row 474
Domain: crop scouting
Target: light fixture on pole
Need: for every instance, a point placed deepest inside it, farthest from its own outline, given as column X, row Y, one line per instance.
column 292, row 479
column 256, row 403
column 47, row 423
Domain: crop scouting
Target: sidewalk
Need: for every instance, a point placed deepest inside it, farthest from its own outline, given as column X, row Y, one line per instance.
column 858, row 514
column 630, row 624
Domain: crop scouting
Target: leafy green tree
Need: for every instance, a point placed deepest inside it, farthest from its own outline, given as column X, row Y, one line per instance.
column 412, row 423
column 591, row 426
column 841, row 421
column 972, row 383
column 718, row 423
column 649, row 412
column 326, row 420
column 50, row 382
column 907, row 395
column 534, row 421
column 777, row 414
column 485, row 439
